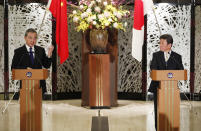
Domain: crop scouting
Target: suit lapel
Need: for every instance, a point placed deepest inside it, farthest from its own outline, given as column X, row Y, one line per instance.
column 24, row 50
column 171, row 55
column 26, row 53
column 171, row 58
column 27, row 57
column 36, row 50
column 37, row 57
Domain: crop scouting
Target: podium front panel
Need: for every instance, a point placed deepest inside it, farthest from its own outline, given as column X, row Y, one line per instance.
column 30, row 106
column 168, row 112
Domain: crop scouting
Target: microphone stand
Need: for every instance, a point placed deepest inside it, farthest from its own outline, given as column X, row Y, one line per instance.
column 6, row 106
column 186, row 98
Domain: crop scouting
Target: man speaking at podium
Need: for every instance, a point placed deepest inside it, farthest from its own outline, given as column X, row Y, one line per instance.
column 30, row 56
column 165, row 59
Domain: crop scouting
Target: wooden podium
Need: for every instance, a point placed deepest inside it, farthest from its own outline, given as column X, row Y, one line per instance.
column 99, row 81
column 168, row 98
column 30, row 97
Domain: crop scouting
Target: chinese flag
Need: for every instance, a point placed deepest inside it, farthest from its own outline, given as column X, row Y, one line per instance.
column 58, row 8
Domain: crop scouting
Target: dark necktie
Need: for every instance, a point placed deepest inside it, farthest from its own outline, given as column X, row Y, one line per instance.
column 31, row 56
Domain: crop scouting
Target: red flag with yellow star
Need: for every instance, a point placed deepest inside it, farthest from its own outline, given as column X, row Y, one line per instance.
column 58, row 8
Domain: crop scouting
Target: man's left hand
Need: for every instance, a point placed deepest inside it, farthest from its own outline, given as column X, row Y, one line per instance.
column 50, row 49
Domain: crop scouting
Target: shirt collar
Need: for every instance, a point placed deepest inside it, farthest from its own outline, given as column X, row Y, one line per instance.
column 169, row 52
column 28, row 48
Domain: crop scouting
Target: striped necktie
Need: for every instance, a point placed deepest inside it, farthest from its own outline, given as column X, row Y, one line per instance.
column 167, row 55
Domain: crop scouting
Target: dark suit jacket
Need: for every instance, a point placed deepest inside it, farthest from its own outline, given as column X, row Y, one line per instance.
column 21, row 60
column 158, row 63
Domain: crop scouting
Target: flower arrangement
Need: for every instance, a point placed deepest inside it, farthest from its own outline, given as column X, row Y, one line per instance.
column 98, row 14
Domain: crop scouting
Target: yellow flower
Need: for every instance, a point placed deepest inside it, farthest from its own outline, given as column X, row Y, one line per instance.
column 83, row 26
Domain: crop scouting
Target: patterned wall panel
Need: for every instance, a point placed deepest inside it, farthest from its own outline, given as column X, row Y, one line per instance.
column 1, row 48
column 69, row 73
column 175, row 20
column 197, row 49
column 22, row 17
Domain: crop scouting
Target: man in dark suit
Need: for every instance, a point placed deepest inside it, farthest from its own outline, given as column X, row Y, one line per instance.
column 32, row 56
column 165, row 59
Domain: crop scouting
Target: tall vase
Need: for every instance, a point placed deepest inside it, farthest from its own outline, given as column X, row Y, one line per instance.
column 98, row 40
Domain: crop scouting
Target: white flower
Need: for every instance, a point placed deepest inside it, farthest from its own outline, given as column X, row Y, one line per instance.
column 81, row 2
column 107, row 23
column 75, row 19
column 113, row 3
column 89, row 19
column 97, row 9
column 125, row 14
column 100, row 16
column 115, row 25
column 110, row 20
column 119, row 15
column 98, row 1
column 93, row 2
column 94, row 22
column 81, row 6
column 84, row 15
column 90, row 5
column 94, row 17
column 89, row 10
column 74, row 12
column 105, row 3
column 106, row 14
column 125, row 24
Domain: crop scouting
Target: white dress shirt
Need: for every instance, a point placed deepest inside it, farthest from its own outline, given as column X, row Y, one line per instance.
column 167, row 55
column 28, row 49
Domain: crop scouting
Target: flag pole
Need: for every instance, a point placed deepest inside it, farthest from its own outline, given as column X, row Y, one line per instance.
column 153, row 9
column 42, row 22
